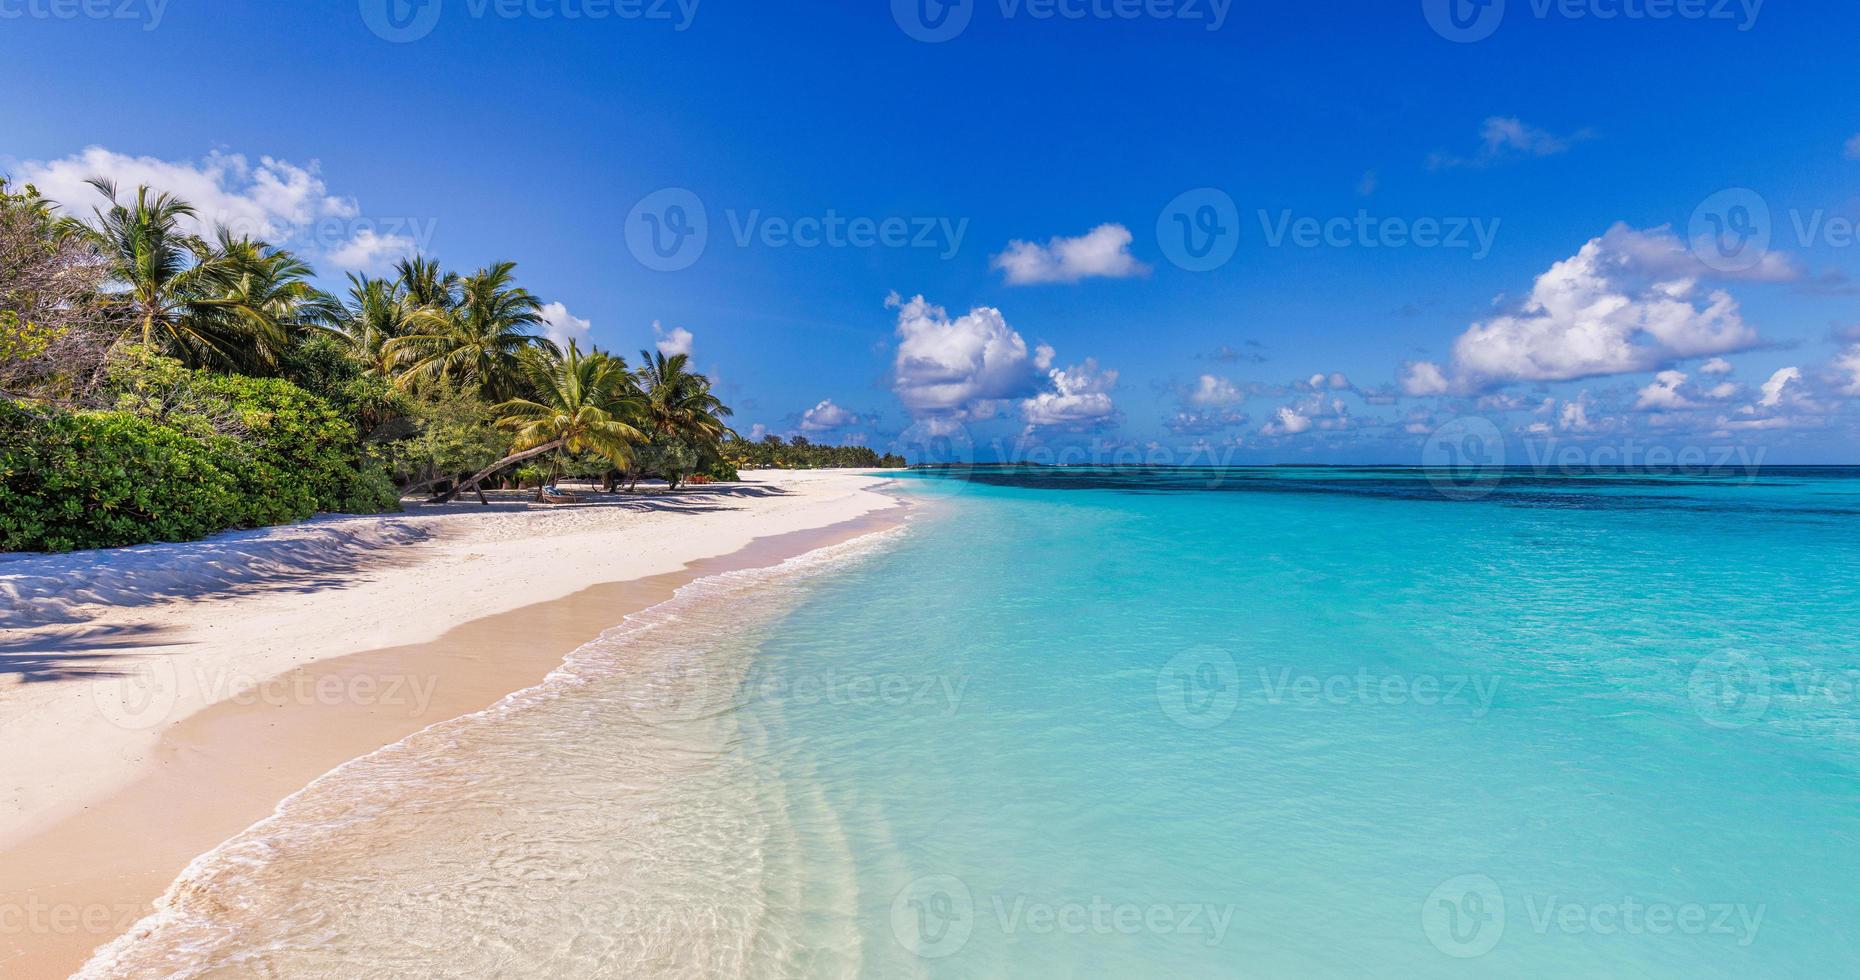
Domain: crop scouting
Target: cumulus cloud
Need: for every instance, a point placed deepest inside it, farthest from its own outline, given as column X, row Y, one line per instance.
column 1421, row 378
column 964, row 366
column 270, row 199
column 562, row 326
column 1575, row 415
column 372, row 253
column 1716, row 366
column 1505, row 138
column 1103, row 252
column 1664, row 394
column 1311, row 412
column 1213, row 391
column 1081, row 397
column 827, row 415
column 1601, row 312
column 1777, row 386
column 1287, row 421
column 672, row 342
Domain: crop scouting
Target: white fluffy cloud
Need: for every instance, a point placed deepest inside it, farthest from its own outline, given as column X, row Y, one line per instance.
column 1310, row 412
column 1575, row 415
column 673, row 342
column 1103, row 252
column 1777, row 386
column 1664, row 394
column 1213, row 391
column 372, row 253
column 827, row 415
column 1421, row 378
column 272, row 199
column 1287, row 421
column 1081, row 396
column 1602, row 312
column 1716, row 366
column 964, row 366
column 562, row 326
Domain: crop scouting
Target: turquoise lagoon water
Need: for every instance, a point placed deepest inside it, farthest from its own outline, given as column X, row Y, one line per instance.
column 1261, row 723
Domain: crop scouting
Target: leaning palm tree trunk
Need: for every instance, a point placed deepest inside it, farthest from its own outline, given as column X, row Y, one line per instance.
column 500, row 464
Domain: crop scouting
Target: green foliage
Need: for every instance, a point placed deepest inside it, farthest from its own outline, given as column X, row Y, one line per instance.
column 20, row 342
column 451, row 432
column 184, row 454
column 159, row 385
column 669, row 458
column 799, row 454
column 304, row 439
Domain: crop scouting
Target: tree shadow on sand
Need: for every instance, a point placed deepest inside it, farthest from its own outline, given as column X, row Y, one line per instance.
column 324, row 553
column 69, row 654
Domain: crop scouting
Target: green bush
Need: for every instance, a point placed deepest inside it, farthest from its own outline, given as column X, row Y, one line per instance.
column 106, row 479
column 184, row 455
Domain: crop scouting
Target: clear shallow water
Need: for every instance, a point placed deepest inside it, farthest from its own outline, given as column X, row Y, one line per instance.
column 1285, row 723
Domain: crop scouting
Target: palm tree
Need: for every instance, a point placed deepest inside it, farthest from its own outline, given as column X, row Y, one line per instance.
column 480, row 339
column 234, row 306
column 263, row 294
column 377, row 311
column 425, row 285
column 581, row 403
column 679, row 403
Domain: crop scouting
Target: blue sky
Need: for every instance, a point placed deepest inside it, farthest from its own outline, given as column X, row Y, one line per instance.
column 516, row 131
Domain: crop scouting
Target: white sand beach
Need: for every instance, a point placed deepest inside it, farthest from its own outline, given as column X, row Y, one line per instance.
column 156, row 700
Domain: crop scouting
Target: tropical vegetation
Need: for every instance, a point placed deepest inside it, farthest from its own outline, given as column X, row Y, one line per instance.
column 159, row 384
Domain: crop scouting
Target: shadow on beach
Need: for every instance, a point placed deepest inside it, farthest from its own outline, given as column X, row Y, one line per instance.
column 75, row 652
column 325, row 552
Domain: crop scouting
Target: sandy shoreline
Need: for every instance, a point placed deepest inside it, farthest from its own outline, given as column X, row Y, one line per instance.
column 159, row 700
